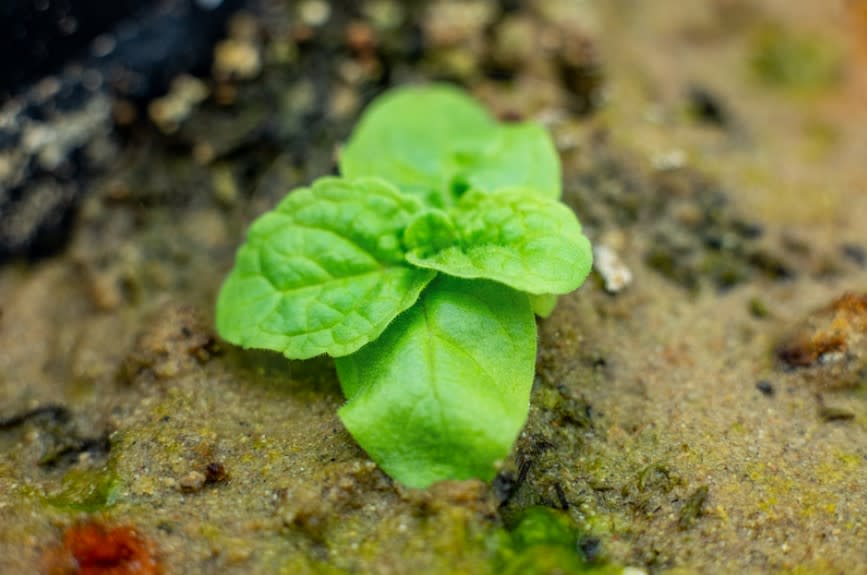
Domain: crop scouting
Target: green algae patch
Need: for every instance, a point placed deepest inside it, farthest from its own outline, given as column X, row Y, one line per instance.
column 548, row 559
column 545, row 540
column 87, row 490
column 794, row 61
column 442, row 538
column 299, row 565
column 543, row 526
column 693, row 508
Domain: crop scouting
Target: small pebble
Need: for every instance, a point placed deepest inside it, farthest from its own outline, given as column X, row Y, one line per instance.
column 451, row 23
column 766, row 387
column 591, row 548
column 192, row 481
column 225, row 186
column 215, row 472
column 854, row 253
column 236, row 60
column 171, row 110
column 670, row 160
column 383, row 14
column 828, row 413
column 360, row 37
column 103, row 45
column 707, row 107
column 314, row 13
column 515, row 41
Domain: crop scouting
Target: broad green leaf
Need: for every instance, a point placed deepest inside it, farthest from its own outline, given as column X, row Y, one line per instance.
column 522, row 155
column 514, row 237
column 409, row 136
column 444, row 392
column 322, row 273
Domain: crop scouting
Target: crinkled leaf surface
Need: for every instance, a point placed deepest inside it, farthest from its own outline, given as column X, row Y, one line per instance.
column 432, row 230
column 409, row 135
column 322, row 273
column 514, row 237
column 522, row 155
column 444, row 392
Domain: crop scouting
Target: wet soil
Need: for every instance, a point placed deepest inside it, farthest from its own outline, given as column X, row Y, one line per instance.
column 708, row 417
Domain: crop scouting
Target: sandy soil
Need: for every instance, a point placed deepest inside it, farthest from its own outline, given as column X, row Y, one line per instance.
column 718, row 147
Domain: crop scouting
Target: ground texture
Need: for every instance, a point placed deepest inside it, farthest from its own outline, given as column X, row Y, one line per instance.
column 708, row 417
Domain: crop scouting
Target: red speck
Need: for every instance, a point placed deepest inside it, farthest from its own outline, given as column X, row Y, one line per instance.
column 92, row 548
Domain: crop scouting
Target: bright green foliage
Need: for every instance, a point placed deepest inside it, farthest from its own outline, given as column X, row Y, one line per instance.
column 420, row 271
column 522, row 155
column 436, row 143
column 545, row 541
column 410, row 135
column 87, row 490
column 324, row 272
column 450, row 376
column 523, row 240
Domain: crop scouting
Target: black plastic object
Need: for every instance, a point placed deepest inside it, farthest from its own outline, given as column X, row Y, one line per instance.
column 130, row 49
column 151, row 40
column 38, row 36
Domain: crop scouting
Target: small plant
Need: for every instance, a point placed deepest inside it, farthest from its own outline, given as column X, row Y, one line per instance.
column 419, row 271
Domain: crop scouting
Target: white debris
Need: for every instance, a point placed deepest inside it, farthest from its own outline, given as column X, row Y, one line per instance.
column 670, row 160
column 236, row 60
column 612, row 269
column 314, row 13
column 170, row 111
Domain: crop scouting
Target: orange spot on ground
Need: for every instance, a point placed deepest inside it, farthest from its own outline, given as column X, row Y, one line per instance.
column 834, row 329
column 92, row 548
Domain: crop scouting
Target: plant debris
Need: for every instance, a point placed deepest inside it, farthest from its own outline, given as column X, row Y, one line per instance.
column 833, row 334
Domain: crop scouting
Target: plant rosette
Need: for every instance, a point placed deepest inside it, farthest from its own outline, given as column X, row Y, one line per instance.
column 419, row 270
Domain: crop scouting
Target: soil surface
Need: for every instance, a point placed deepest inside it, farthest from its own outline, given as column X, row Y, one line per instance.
column 700, row 403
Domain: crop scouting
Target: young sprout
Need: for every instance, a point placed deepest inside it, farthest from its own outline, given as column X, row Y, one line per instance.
column 419, row 270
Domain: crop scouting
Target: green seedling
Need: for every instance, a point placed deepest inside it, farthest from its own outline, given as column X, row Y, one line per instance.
column 419, row 270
